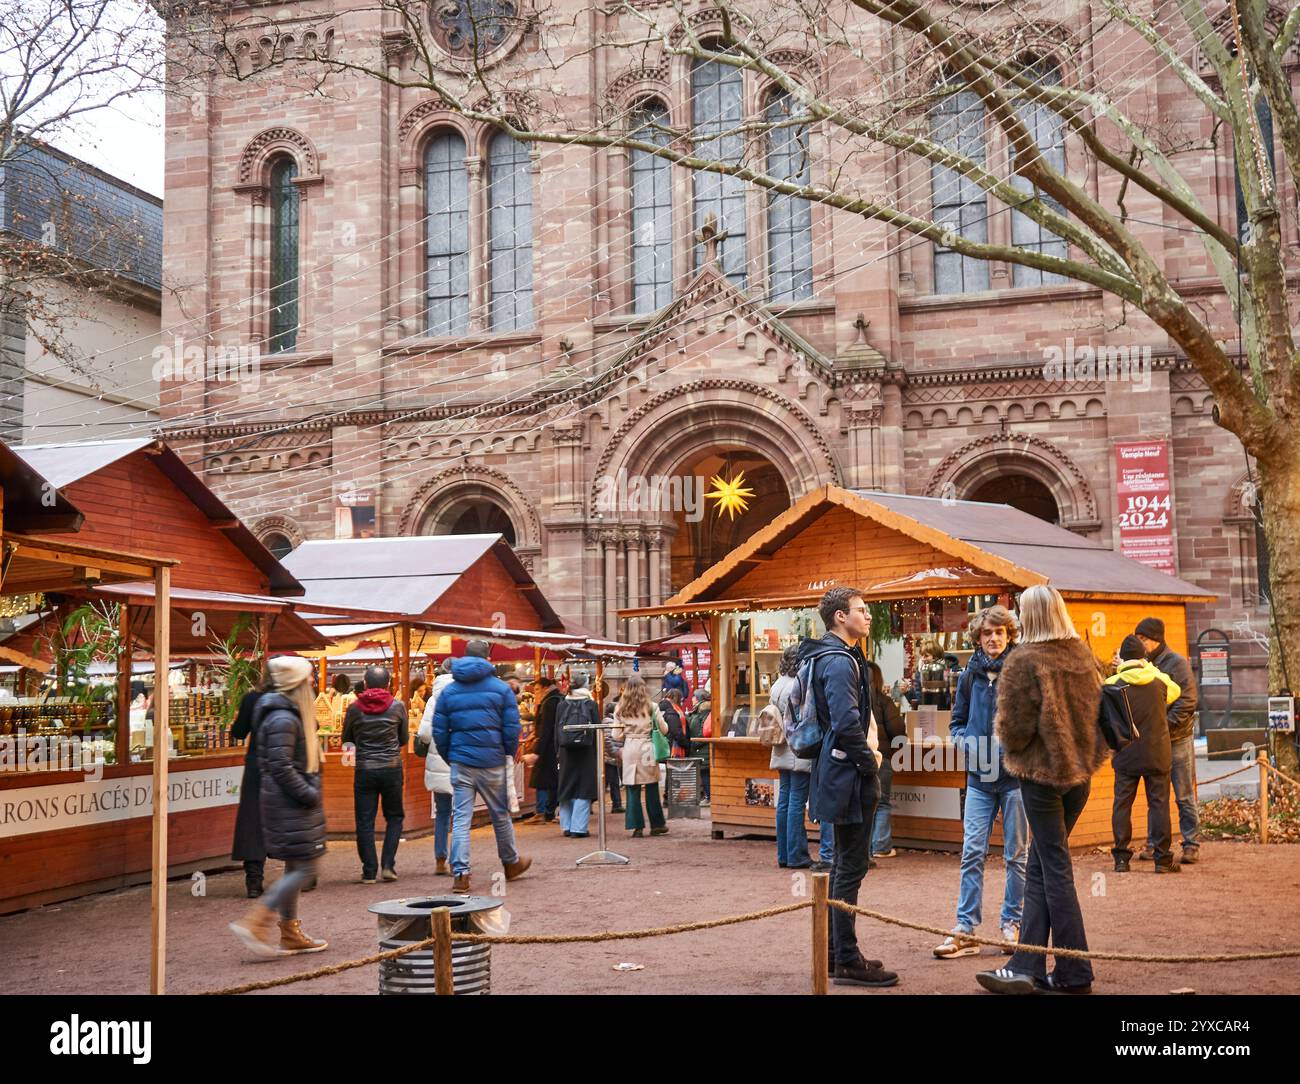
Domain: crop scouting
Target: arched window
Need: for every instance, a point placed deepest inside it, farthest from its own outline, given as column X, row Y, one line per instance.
column 283, row 323
column 652, row 213
column 510, row 234
column 278, row 544
column 1049, row 133
column 789, row 218
column 446, row 209
column 957, row 122
column 717, row 112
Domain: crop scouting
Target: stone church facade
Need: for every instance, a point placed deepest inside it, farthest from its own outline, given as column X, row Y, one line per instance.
column 422, row 376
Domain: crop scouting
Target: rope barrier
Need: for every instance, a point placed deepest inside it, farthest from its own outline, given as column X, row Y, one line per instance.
column 1252, row 766
column 1082, row 954
column 515, row 939
column 1280, row 775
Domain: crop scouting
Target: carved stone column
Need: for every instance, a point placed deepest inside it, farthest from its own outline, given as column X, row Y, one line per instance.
column 634, row 595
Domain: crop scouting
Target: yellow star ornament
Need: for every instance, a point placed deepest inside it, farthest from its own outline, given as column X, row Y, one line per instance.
column 731, row 496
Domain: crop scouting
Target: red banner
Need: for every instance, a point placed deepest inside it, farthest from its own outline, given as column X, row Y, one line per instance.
column 1146, row 515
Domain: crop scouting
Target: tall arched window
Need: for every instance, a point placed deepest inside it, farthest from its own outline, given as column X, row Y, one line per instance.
column 717, row 111
column 510, row 234
column 652, row 213
column 283, row 307
column 446, row 209
column 957, row 122
column 1049, row 133
column 789, row 218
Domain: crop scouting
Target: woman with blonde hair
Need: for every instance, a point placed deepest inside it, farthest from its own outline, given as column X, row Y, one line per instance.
column 635, row 715
column 1046, row 721
column 293, row 818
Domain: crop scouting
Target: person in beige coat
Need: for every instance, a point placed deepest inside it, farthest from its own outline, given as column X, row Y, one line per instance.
column 635, row 715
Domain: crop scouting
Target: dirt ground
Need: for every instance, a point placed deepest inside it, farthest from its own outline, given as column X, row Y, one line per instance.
column 1241, row 897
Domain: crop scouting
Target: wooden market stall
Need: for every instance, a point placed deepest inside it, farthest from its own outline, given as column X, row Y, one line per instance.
column 139, row 500
column 925, row 561
column 419, row 594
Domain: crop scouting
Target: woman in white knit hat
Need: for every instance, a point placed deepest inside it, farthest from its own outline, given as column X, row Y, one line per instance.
column 293, row 817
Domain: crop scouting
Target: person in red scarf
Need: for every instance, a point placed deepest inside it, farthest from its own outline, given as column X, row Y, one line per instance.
column 377, row 727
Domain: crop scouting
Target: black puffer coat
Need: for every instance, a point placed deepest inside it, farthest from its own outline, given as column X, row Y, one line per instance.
column 293, row 818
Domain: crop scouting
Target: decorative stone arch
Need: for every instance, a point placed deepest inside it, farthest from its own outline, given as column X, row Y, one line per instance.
column 269, row 525
column 257, row 155
column 999, row 454
column 706, row 413
column 445, row 495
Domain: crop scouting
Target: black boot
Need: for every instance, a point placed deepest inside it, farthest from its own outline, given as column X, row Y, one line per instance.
column 253, row 886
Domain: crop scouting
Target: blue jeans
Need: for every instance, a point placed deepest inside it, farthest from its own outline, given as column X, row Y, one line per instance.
column 490, row 785
column 545, row 803
column 1182, row 772
column 791, row 835
column 575, row 815
column 981, row 807
column 882, row 832
column 369, row 786
column 826, row 844
column 441, row 824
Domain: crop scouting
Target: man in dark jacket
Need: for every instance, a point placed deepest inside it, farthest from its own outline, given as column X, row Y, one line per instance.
column 675, row 679
column 1181, row 714
column 475, row 728
column 545, row 776
column 844, row 784
column 1149, row 692
column 377, row 727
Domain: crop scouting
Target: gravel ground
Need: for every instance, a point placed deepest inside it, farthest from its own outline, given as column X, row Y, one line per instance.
column 1239, row 898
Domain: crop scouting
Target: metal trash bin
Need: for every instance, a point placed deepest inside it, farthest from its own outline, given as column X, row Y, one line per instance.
column 683, row 786
column 404, row 921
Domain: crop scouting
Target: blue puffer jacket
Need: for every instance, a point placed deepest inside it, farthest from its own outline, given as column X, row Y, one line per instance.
column 476, row 720
column 971, row 728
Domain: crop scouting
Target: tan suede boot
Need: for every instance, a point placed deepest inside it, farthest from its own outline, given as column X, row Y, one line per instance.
column 515, row 870
column 257, row 931
column 441, row 867
column 461, row 883
column 293, row 940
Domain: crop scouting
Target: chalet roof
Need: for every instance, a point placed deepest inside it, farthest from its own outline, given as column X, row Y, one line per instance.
column 996, row 540
column 402, row 577
column 65, row 464
column 32, row 501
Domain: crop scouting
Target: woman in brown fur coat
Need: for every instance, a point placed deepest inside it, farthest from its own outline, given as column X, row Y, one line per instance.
column 1046, row 720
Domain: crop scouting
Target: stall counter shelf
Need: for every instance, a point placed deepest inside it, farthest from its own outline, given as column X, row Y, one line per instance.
column 927, row 804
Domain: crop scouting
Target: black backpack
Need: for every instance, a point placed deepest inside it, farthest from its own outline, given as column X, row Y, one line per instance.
column 1115, row 717
column 575, row 711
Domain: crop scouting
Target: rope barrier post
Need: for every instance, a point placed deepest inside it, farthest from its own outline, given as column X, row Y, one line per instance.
column 440, row 920
column 1263, row 796
column 820, row 931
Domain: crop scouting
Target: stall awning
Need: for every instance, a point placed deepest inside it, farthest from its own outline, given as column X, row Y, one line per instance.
column 209, row 616
column 33, row 565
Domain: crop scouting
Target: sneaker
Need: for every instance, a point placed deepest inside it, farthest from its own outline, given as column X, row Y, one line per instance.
column 368, row 878
column 956, row 945
column 1191, row 855
column 1010, row 932
column 863, row 973
column 515, row 870
column 1122, row 865
column 662, row 830
column 257, row 930
column 830, row 966
column 820, row 867
column 637, row 833
column 294, row 941
column 1146, row 854
column 1049, row 985
column 460, row 884
column 1005, row 981
column 388, row 874
column 1169, row 867
column 891, row 853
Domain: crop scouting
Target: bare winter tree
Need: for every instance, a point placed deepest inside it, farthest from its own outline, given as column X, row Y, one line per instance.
column 1107, row 181
column 62, row 63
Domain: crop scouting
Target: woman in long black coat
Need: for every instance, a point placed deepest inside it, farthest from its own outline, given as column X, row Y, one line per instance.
column 577, row 761
column 545, row 777
column 249, row 847
column 293, row 816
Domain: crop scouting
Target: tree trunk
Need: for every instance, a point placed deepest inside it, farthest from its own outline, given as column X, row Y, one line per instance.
column 1279, row 479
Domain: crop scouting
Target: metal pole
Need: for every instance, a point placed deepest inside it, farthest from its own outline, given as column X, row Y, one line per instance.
column 601, row 857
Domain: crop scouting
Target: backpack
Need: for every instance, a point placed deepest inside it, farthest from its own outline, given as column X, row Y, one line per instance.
column 575, row 711
column 1115, row 717
column 770, row 729
column 806, row 738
